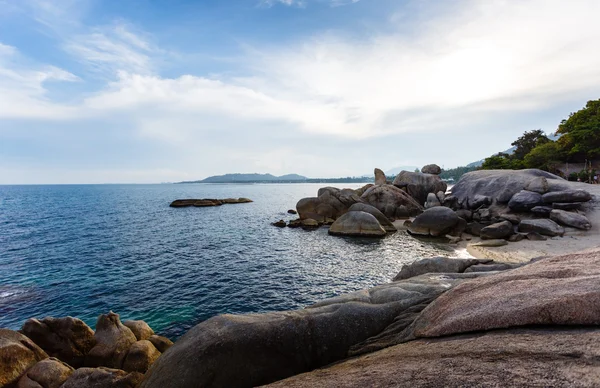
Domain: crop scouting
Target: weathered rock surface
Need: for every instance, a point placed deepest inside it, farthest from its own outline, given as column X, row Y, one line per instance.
column 432, row 201
column 160, row 343
column 140, row 329
column 436, row 221
column 113, row 340
column 542, row 226
column 329, row 203
column 505, row 358
column 431, row 169
column 535, row 236
column 48, row 373
column 539, row 185
column 541, row 211
column 17, row 354
column 574, row 220
column 515, row 220
column 68, row 339
column 381, row 218
column 418, row 184
column 392, row 202
column 525, row 200
column 103, row 378
column 357, row 224
column 380, row 178
column 141, row 355
column 567, row 205
column 498, row 230
column 438, row 264
column 567, row 196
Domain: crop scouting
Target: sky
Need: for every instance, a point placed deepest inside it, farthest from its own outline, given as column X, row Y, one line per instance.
column 144, row 91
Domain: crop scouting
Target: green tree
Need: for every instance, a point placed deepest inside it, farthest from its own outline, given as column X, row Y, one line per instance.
column 580, row 138
column 545, row 156
column 499, row 161
column 528, row 142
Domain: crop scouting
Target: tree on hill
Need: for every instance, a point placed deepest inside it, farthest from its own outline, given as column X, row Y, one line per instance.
column 545, row 157
column 528, row 142
column 580, row 138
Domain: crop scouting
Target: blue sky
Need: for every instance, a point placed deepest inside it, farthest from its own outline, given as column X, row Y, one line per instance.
column 148, row 91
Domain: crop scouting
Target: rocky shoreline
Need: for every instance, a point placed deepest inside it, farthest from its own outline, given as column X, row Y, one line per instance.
column 508, row 317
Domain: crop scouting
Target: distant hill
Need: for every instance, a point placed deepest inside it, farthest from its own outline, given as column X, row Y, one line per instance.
column 247, row 178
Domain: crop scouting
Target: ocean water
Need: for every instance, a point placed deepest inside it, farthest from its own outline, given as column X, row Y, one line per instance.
column 82, row 250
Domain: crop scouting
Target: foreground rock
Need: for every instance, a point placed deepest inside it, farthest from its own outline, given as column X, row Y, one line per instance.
column 498, row 230
column 48, row 373
column 381, row 218
column 357, row 224
column 418, row 184
column 207, row 202
column 567, row 196
column 113, row 340
column 140, row 356
column 103, row 378
column 436, row 221
column 543, row 226
column 392, row 201
column 17, row 354
column 438, row 264
column 570, row 219
column 525, row 200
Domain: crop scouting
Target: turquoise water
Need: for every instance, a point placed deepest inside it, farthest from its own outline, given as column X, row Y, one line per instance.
column 82, row 250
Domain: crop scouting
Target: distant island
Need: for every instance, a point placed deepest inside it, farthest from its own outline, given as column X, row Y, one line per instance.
column 269, row 178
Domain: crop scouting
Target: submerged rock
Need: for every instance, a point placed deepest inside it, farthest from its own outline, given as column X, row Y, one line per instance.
column 207, row 202
column 279, row 224
column 357, row 224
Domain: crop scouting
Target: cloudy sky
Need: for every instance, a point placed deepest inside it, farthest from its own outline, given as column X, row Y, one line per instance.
column 98, row 91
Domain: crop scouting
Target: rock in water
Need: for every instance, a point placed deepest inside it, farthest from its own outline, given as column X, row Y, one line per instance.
column 48, row 373
column 292, row 211
column 68, row 339
column 383, row 220
column 113, row 340
column 357, row 224
column 498, row 230
column 570, row 219
column 525, row 200
column 140, row 329
column 17, row 354
column 103, row 378
column 438, row 264
column 567, row 196
column 543, row 226
column 418, row 185
column 380, row 178
column 392, row 201
column 330, row 203
column 279, row 224
column 436, row 221
column 431, row 169
column 309, row 224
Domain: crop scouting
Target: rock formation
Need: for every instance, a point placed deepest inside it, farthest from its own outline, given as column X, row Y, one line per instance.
column 418, row 185
column 431, row 169
column 357, row 224
column 380, row 178
column 206, row 202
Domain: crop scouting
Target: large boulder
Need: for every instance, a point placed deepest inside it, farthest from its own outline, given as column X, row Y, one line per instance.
column 383, row 220
column 104, row 378
column 48, row 373
column 17, row 354
column 68, row 339
column 500, row 185
column 574, row 220
column 113, row 340
column 418, row 184
column 567, row 196
column 330, row 203
column 432, row 201
column 436, row 221
column 380, row 178
column 431, row 169
column 498, row 230
column 140, row 329
column 141, row 355
column 392, row 201
column 161, row 343
column 438, row 264
column 542, row 226
column 525, row 200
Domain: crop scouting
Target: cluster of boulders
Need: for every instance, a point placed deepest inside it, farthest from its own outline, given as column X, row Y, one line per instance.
column 370, row 210
column 206, row 202
column 504, row 206
column 67, row 353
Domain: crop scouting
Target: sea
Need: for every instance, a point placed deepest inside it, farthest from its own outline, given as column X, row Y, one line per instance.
column 85, row 250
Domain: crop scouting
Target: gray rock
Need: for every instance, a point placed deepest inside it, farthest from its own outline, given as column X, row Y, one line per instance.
column 474, row 228
column 567, row 196
column 437, row 264
column 498, row 230
column 496, row 267
column 541, row 211
column 484, row 214
column 480, row 201
column 418, row 185
column 391, row 201
column 436, row 221
column 103, row 378
column 542, row 226
column 383, row 220
column 525, row 200
column 432, row 201
column 292, row 211
column 380, row 178
column 357, row 224
column 516, row 237
column 567, row 205
column 465, row 214
column 490, row 243
column 510, row 217
column 574, row 220
column 441, row 196
column 535, row 236
column 329, row 203
column 539, row 185
column 431, row 169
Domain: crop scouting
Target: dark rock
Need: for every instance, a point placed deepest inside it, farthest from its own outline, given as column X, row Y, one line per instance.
column 525, row 200
column 141, row 355
column 480, row 201
column 309, row 224
column 140, row 329
column 465, row 214
column 103, row 378
column 541, row 211
column 458, row 229
column 474, row 228
column 431, row 169
column 516, row 237
column 160, row 343
column 542, row 226
column 482, row 215
column 295, row 223
column 292, row 211
column 48, row 373
column 567, row 196
column 451, row 202
column 279, row 224
column 418, row 185
column 330, row 203
column 17, row 354
column 432, row 201
column 207, row 202
column 441, row 196
column 570, row 219
column 567, row 206
column 357, row 224
column 380, row 178
column 499, row 230
column 490, row 243
column 495, row 267
column 534, row 236
column 362, row 190
column 515, row 220
column 68, row 339
column 438, row 264
column 113, row 340
column 383, row 220
column 453, row 239
column 436, row 221
column 391, row 201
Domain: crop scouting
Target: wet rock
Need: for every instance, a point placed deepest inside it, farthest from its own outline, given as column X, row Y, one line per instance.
column 437, row 264
column 490, row 243
column 436, row 221
column 381, row 218
column 357, row 224
column 431, row 169
column 295, row 223
column 48, row 373
column 292, row 211
column 160, row 343
column 279, row 224
column 567, row 196
column 392, row 202
column 103, row 378
column 498, row 230
column 140, row 329
column 574, row 220
column 380, row 178
column 17, row 354
column 567, row 206
column 418, row 185
column 541, row 211
column 534, row 236
column 113, row 340
column 68, row 339
column 309, row 224
column 525, row 200
column 542, row 226
column 141, row 355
